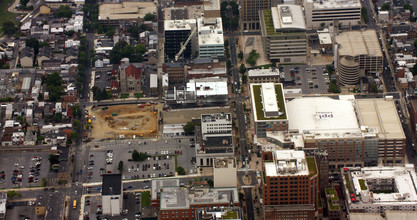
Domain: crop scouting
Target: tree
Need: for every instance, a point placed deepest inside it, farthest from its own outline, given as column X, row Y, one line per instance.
column 253, row 57
column 133, row 31
column 189, row 128
column 73, row 135
column 54, row 86
column 44, row 182
column 226, row 43
column 33, row 43
column 121, row 50
column 69, row 33
column 9, row 27
column 120, row 167
column 244, row 79
column 210, row 183
column 180, row 171
column 323, row 24
column 140, row 48
column 334, row 88
column 242, row 68
column 12, row 194
column 57, row 117
column 136, row 156
column 149, row 17
column 53, row 159
column 386, row 6
column 76, row 110
column 374, row 88
column 77, row 124
column 110, row 33
column 364, row 13
column 64, row 11
column 24, row 3
column 240, row 55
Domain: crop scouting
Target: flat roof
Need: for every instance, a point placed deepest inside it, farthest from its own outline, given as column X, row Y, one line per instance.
column 257, row 101
column 125, row 10
column 269, row 99
column 174, row 25
column 158, row 184
column 112, row 184
column 153, row 83
column 288, row 17
column 210, row 31
column 208, row 86
column 325, row 38
column 286, row 163
column 327, row 4
column 263, row 72
column 381, row 114
column 402, row 178
column 354, row 43
column 322, row 114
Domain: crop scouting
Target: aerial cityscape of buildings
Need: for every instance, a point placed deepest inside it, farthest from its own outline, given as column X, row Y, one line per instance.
column 208, row 109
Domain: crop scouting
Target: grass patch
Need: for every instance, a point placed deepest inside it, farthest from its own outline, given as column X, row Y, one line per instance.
column 331, row 206
column 146, row 199
column 269, row 25
column 230, row 215
column 331, row 191
column 5, row 15
column 138, row 95
column 259, row 106
column 176, row 162
column 311, row 163
column 347, row 182
column 124, row 95
column 362, row 184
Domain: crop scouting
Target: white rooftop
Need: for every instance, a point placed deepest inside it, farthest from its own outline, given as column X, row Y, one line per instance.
column 210, row 31
column 325, row 38
column 173, row 25
column 208, row 86
column 321, row 114
column 403, row 178
column 287, row 162
column 263, row 72
column 153, row 81
column 327, row 4
column 269, row 99
column 288, row 17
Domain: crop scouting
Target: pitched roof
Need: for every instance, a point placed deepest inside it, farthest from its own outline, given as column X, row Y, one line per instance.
column 45, row 51
column 26, row 52
column 71, row 52
column 133, row 71
column 114, row 84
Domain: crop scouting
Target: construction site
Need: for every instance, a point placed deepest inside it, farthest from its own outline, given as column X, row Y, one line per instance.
column 124, row 121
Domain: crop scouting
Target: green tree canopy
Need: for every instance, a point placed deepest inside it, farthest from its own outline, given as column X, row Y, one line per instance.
column 121, row 50
column 140, row 48
column 242, row 68
column 64, row 11
column 136, row 156
column 12, row 194
column 149, row 17
column 181, row 171
column 9, row 27
column 120, row 167
column 189, row 128
column 386, row 6
column 54, row 86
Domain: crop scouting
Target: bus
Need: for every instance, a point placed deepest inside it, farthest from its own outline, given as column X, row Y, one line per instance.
column 74, row 204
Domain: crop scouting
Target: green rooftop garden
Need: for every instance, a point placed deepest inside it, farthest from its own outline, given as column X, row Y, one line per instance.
column 347, row 182
column 362, row 184
column 311, row 163
column 331, row 191
column 259, row 106
column 230, row 215
column 331, row 206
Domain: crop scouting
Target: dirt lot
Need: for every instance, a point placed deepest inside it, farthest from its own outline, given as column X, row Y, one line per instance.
column 127, row 120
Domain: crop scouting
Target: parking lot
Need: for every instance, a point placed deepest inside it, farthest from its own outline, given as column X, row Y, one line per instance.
column 102, row 77
column 160, row 161
column 22, row 166
column 311, row 79
column 96, row 166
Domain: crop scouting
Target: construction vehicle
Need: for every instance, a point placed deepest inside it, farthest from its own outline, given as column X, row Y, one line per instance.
column 133, row 128
column 184, row 45
column 105, row 108
column 147, row 118
column 114, row 114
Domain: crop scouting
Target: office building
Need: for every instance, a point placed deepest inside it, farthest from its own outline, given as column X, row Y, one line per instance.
column 264, row 76
column 176, row 34
column 283, row 34
column 321, row 13
column 353, row 132
column 269, row 110
column 216, row 139
column 225, row 172
column 206, row 67
column 112, row 199
column 156, row 188
column 379, row 189
column 291, row 185
column 210, row 38
column 249, row 12
column 200, row 92
column 358, row 54
column 124, row 12
column 182, row 203
column 175, row 72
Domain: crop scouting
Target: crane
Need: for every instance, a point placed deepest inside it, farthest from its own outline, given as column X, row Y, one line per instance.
column 184, row 45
